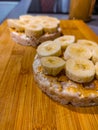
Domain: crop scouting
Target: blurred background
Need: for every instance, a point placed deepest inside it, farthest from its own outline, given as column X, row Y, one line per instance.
column 61, row 9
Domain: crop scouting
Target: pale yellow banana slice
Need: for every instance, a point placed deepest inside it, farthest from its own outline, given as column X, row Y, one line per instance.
column 49, row 48
column 89, row 44
column 33, row 30
column 77, row 50
column 80, row 70
column 17, row 25
column 42, row 17
column 26, row 18
column 95, row 55
column 52, row 65
column 65, row 40
column 11, row 22
column 50, row 27
column 96, row 70
column 36, row 22
column 53, row 20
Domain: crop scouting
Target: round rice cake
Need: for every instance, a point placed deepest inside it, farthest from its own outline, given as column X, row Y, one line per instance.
column 64, row 90
column 21, row 28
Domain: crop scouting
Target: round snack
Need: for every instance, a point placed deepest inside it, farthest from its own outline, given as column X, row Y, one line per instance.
column 49, row 48
column 88, row 44
column 73, row 81
column 65, row 40
column 63, row 90
column 50, row 27
column 80, row 70
column 26, row 18
column 33, row 30
column 17, row 25
column 52, row 65
column 36, row 29
column 77, row 51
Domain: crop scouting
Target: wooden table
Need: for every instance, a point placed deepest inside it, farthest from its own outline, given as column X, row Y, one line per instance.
column 23, row 106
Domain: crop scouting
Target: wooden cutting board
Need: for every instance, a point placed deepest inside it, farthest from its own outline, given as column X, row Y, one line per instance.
column 23, row 106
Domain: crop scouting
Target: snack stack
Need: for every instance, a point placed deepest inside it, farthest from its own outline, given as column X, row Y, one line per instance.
column 32, row 30
column 67, row 70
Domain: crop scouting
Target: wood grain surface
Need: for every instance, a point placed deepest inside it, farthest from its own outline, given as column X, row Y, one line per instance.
column 23, row 106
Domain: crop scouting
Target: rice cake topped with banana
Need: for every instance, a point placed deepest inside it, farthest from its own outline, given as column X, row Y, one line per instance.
column 32, row 30
column 67, row 71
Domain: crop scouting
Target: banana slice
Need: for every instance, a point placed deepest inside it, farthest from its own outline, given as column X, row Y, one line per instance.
column 53, row 20
column 89, row 44
column 11, row 22
column 95, row 55
column 96, row 70
column 20, row 26
column 80, row 70
column 26, row 18
column 77, row 50
column 36, row 22
column 49, row 48
column 33, row 30
column 52, row 65
column 65, row 40
column 50, row 27
column 42, row 18
column 17, row 24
